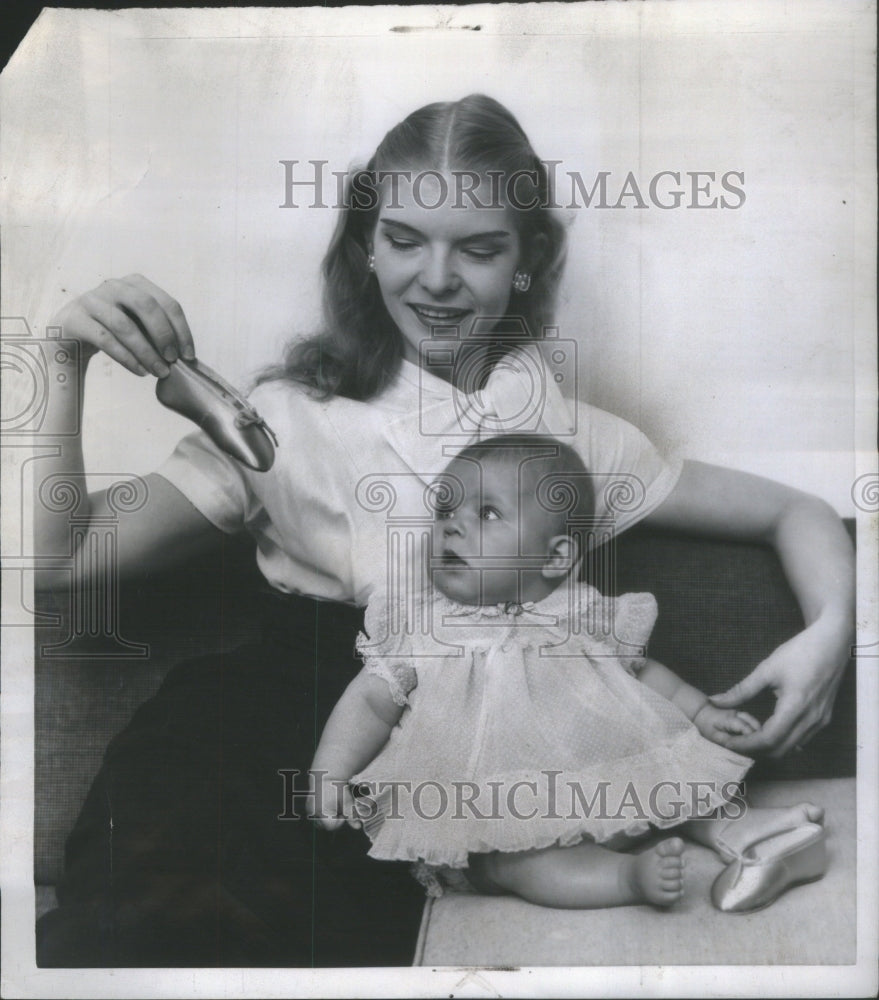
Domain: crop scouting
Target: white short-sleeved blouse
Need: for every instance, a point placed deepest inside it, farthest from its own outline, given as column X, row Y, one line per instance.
column 347, row 492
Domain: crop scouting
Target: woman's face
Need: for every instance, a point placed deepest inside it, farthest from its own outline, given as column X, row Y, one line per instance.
column 439, row 264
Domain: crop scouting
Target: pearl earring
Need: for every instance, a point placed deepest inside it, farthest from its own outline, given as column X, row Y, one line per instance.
column 521, row 281
column 370, row 261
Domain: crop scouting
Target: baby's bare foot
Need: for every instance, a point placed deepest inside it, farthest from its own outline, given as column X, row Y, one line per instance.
column 658, row 874
column 759, row 823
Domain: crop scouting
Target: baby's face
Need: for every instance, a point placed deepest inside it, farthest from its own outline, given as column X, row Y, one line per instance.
column 490, row 538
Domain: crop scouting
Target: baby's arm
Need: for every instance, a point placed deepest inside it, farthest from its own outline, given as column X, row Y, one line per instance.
column 358, row 727
column 715, row 724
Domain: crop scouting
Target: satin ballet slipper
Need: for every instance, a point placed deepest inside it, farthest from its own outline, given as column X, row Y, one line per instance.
column 770, row 867
column 200, row 394
column 729, row 854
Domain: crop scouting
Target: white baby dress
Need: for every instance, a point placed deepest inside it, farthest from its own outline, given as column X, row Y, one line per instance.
column 525, row 726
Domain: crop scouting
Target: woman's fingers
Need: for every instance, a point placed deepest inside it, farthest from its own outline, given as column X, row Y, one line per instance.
column 115, row 330
column 782, row 731
column 796, row 719
column 135, row 296
column 748, row 721
column 133, row 321
column 117, row 351
column 744, row 691
column 169, row 317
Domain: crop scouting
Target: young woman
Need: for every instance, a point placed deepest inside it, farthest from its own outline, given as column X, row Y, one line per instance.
column 178, row 857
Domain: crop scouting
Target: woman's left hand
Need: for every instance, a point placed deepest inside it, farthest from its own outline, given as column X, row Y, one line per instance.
column 817, row 557
column 805, row 673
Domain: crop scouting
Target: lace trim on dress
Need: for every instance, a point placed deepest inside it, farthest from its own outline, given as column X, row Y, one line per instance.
column 400, row 677
column 437, row 878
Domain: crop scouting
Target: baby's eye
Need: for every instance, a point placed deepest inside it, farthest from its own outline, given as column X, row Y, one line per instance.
column 489, row 514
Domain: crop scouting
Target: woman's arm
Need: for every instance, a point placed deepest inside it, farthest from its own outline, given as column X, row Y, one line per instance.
column 131, row 320
column 357, row 729
column 818, row 560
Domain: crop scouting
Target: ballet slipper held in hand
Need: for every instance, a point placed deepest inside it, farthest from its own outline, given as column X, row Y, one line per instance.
column 133, row 321
column 200, row 394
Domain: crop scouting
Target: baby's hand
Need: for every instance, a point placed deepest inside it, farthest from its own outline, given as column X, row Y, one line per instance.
column 331, row 803
column 722, row 725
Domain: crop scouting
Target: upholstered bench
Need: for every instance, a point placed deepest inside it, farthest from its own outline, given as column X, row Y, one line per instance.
column 723, row 606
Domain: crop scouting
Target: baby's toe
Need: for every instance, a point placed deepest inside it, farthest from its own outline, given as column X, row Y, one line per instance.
column 671, row 848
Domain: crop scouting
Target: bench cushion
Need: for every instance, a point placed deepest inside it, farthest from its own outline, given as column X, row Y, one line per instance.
column 810, row 925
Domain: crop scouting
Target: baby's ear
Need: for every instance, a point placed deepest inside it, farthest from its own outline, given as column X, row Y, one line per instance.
column 563, row 554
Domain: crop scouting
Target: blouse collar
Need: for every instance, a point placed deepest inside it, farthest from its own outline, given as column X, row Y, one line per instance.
column 520, row 395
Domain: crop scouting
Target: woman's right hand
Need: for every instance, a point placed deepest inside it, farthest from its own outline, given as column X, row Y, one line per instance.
column 132, row 320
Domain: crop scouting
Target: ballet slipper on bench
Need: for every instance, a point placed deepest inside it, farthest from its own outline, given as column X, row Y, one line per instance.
column 810, row 924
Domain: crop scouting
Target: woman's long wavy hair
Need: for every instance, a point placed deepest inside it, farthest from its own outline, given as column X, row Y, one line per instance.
column 358, row 352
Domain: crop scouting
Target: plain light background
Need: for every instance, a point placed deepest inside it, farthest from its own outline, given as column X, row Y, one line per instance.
column 150, row 141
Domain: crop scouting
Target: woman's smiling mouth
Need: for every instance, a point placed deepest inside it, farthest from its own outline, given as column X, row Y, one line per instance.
column 432, row 316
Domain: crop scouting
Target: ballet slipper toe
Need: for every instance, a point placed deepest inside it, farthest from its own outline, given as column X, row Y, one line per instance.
column 769, row 868
column 197, row 392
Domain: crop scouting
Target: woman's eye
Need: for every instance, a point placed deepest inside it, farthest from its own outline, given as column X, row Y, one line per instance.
column 444, row 513
column 489, row 514
column 481, row 253
column 400, row 244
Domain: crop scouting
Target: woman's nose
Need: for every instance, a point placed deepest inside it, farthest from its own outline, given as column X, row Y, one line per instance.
column 437, row 273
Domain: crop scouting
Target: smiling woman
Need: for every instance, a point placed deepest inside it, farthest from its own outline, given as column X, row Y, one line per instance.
column 440, row 260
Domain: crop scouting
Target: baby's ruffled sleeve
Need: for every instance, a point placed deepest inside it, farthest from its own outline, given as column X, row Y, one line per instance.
column 387, row 655
column 617, row 626
column 634, row 616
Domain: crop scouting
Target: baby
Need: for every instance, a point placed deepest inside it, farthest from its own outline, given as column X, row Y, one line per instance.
column 508, row 735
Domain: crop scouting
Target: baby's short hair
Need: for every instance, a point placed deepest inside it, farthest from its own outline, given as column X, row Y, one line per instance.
column 561, row 483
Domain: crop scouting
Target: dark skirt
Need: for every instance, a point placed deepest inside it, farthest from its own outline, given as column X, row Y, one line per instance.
column 191, row 848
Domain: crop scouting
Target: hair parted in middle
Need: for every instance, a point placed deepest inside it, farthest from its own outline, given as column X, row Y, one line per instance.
column 358, row 352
